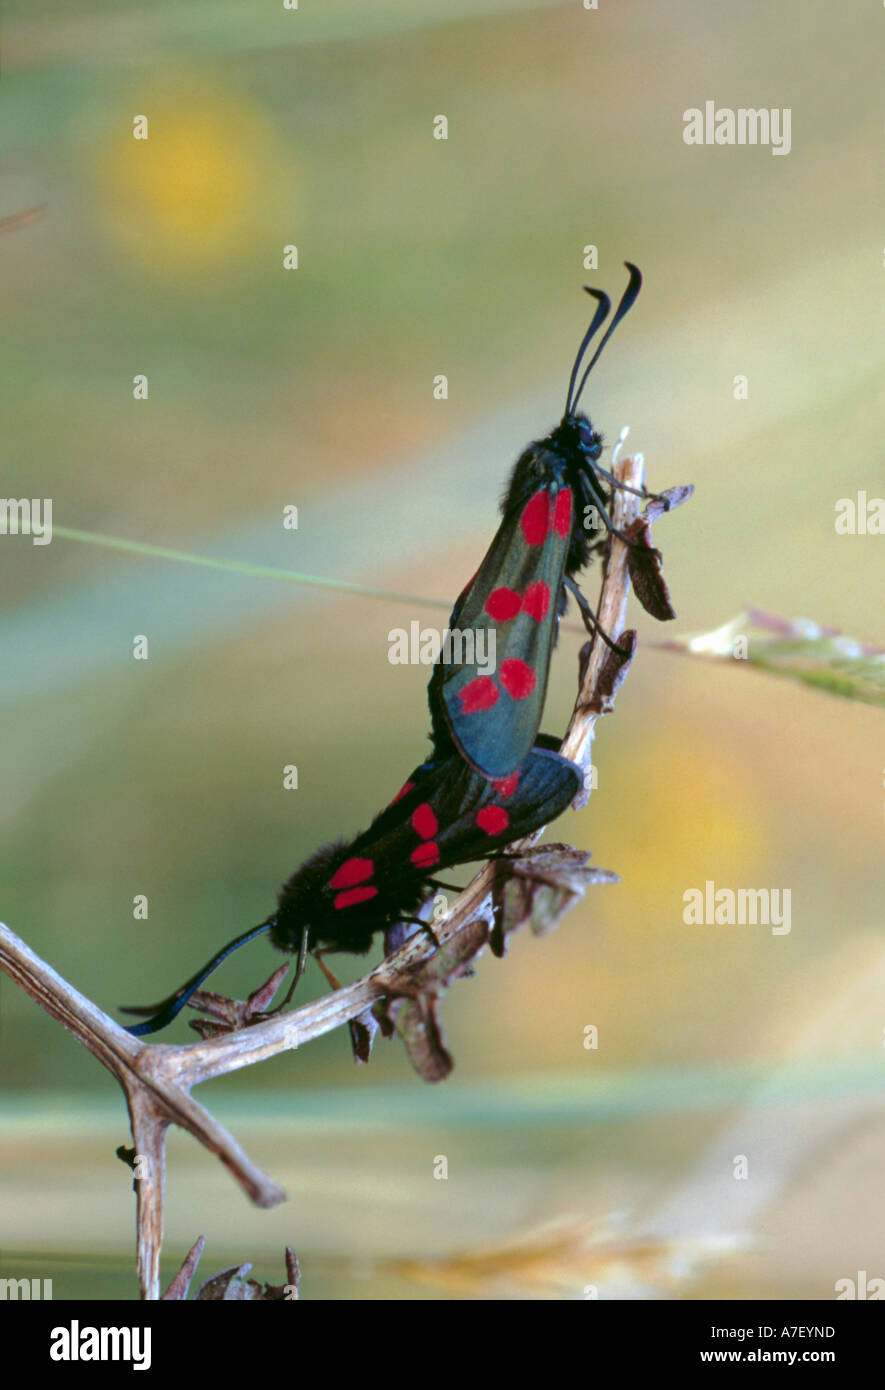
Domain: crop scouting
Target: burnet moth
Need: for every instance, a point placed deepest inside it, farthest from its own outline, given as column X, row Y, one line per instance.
column 446, row 814
column 519, row 590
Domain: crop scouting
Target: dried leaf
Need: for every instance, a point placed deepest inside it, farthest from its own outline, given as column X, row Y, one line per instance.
column 293, row 1270
column 362, row 1035
column 539, row 888
column 614, row 669
column 417, row 1022
column 646, row 571
column 667, row 501
column 381, row 1013
column 177, row 1290
column 261, row 997
column 230, row 1286
column 290, row 1291
column 234, row 1013
column 645, row 562
column 414, row 1012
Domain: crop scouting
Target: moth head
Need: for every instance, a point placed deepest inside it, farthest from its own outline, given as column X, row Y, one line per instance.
column 576, row 438
column 589, row 440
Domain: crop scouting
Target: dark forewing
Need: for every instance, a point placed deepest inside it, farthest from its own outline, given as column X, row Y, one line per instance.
column 448, row 814
column 494, row 716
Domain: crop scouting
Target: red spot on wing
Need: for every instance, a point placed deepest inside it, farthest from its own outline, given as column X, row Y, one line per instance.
column 425, row 855
column 424, row 821
column 562, row 515
column 535, row 519
column 402, row 791
column 478, row 694
column 352, row 871
column 503, row 604
column 517, row 678
column 355, row 895
column 537, row 600
column 507, row 785
column 494, row 820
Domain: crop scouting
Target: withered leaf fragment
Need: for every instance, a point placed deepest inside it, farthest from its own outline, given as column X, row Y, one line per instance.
column 539, row 888
column 362, row 1034
column 414, row 1012
column 177, row 1290
column 645, row 562
column 232, row 1014
column 232, row 1285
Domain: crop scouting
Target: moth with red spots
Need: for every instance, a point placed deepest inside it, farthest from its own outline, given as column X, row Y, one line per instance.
column 520, row 589
column 445, row 815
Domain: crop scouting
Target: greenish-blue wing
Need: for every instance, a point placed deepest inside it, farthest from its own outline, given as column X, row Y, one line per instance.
column 491, row 679
column 447, row 814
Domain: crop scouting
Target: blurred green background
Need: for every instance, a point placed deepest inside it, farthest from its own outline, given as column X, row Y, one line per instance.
column 314, row 387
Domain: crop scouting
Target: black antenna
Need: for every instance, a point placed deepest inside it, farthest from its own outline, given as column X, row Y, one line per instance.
column 601, row 311
column 167, row 1009
column 628, row 299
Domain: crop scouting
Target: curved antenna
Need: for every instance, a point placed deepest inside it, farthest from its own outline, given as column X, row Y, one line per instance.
column 602, row 309
column 167, row 1009
column 628, row 299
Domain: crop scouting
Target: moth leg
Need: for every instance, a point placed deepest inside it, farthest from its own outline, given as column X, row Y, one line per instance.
column 591, row 622
column 419, row 922
column 318, row 957
column 624, row 487
column 449, row 887
column 612, row 528
column 299, row 971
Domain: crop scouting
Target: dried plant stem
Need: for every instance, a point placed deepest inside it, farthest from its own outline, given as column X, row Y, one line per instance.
column 157, row 1078
column 149, row 1137
column 594, row 698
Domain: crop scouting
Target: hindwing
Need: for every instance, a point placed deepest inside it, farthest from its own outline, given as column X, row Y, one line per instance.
column 447, row 814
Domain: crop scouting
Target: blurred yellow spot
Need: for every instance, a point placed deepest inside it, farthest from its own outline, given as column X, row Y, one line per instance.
column 696, row 816
column 193, row 194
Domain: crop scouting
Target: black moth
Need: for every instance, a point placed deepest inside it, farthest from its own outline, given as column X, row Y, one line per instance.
column 520, row 589
column 444, row 815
